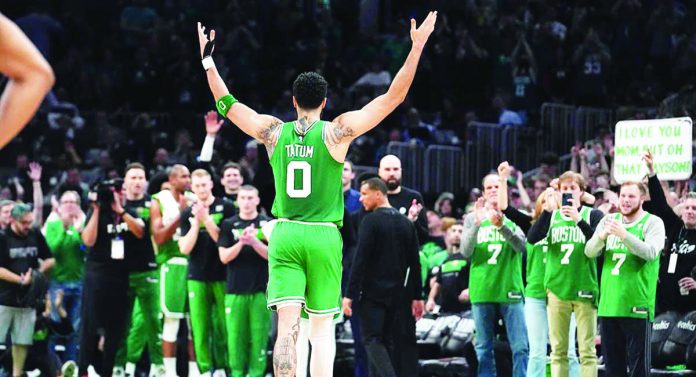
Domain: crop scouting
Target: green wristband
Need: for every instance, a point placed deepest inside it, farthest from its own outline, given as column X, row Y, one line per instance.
column 223, row 104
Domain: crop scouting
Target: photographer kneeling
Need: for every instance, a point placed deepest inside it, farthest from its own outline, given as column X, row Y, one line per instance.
column 105, row 291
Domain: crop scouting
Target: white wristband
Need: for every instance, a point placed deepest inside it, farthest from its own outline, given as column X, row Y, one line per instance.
column 208, row 62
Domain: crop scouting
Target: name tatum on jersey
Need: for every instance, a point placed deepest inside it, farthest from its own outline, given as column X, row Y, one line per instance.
column 304, row 151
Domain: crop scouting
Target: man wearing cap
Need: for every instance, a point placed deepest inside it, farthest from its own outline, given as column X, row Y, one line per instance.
column 22, row 250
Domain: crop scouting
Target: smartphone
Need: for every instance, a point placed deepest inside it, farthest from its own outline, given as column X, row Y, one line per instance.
column 565, row 200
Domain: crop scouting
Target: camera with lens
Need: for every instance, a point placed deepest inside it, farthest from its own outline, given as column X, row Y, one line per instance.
column 105, row 191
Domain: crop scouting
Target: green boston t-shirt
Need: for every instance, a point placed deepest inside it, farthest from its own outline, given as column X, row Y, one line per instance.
column 496, row 269
column 536, row 268
column 629, row 282
column 570, row 275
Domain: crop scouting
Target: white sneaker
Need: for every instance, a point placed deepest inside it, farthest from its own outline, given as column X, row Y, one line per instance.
column 118, row 372
column 69, row 369
column 91, row 372
column 157, row 371
column 219, row 373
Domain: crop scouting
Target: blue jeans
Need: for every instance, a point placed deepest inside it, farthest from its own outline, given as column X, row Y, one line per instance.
column 513, row 317
column 538, row 334
column 72, row 303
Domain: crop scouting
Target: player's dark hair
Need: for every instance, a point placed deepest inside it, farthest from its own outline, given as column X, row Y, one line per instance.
column 375, row 184
column 309, row 90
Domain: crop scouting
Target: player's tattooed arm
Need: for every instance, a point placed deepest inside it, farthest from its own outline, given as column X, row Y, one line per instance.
column 268, row 135
column 337, row 133
column 285, row 354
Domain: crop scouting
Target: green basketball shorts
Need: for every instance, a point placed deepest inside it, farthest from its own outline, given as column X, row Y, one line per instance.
column 304, row 263
column 173, row 293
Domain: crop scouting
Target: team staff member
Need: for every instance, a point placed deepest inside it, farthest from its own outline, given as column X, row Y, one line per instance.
column 632, row 241
column 22, row 249
column 571, row 277
column 145, row 325
column 242, row 249
column 105, row 293
column 206, row 273
column 407, row 201
column 385, row 279
column 495, row 245
column 165, row 214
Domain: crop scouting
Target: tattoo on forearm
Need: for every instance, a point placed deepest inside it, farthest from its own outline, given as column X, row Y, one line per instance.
column 284, row 353
column 337, row 132
column 269, row 135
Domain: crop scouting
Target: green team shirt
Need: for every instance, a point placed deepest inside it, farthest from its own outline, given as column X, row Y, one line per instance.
column 169, row 249
column 570, row 275
column 496, row 269
column 536, row 268
column 307, row 178
column 629, row 282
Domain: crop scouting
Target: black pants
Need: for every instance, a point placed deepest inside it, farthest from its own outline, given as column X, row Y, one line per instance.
column 104, row 313
column 389, row 336
column 626, row 343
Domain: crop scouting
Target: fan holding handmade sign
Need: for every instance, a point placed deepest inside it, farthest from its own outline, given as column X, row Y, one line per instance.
column 669, row 140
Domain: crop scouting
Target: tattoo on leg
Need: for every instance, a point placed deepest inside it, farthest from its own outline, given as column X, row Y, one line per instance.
column 284, row 353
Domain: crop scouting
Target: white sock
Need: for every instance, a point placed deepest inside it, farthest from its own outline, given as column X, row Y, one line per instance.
column 91, row 372
column 302, row 348
column 169, row 366
column 117, row 371
column 193, row 369
column 130, row 369
column 322, row 335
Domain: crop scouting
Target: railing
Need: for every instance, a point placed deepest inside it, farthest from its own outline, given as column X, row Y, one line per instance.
column 444, row 169
column 412, row 157
column 482, row 150
column 359, row 170
column 557, row 122
column 563, row 125
column 587, row 119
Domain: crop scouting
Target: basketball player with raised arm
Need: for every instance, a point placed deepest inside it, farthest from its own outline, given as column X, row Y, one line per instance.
column 307, row 156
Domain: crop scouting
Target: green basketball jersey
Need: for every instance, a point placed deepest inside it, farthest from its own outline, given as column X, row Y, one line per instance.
column 495, row 274
column 307, row 178
column 628, row 282
column 570, row 275
column 169, row 209
column 536, row 268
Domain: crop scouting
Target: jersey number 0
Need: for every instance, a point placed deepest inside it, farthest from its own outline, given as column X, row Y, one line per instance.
column 306, row 187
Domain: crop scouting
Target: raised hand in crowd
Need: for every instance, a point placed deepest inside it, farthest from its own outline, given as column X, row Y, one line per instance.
column 212, row 124
column 414, row 210
column 480, row 210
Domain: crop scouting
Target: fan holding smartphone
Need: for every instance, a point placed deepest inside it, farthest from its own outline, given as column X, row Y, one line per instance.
column 570, row 277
